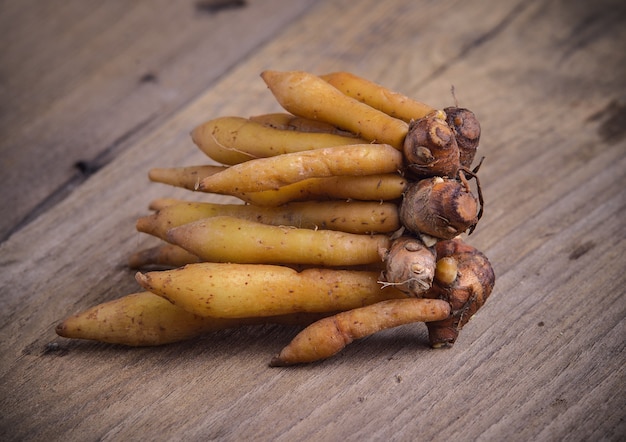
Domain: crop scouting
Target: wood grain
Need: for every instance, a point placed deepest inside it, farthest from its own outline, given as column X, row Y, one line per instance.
column 83, row 79
column 543, row 360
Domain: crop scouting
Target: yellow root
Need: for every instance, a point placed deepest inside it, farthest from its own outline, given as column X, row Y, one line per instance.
column 275, row 172
column 255, row 290
column 378, row 97
column 381, row 187
column 145, row 319
column 309, row 96
column 235, row 240
column 351, row 217
column 234, row 140
column 186, row 177
column 328, row 336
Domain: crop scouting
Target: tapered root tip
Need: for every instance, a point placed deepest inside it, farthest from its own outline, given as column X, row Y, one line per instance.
column 271, row 78
column 145, row 224
column 196, row 135
column 202, row 186
column 61, row 329
column 138, row 259
column 266, row 74
column 156, row 174
column 143, row 280
column 278, row 362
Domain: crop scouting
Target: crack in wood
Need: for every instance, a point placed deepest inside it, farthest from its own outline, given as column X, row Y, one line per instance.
column 84, row 170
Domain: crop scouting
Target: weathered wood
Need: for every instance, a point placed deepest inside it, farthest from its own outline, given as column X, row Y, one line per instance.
column 543, row 360
column 83, row 79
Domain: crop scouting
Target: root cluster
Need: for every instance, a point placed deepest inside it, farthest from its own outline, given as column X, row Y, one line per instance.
column 354, row 202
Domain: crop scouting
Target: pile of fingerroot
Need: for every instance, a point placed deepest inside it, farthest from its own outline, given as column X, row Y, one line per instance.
column 354, row 207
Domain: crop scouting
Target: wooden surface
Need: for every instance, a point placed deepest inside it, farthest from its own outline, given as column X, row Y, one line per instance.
column 93, row 94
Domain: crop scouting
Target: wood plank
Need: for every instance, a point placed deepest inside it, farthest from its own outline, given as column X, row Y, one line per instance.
column 83, row 79
column 543, row 360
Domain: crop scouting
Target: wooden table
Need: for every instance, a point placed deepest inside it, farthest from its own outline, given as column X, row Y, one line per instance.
column 94, row 94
